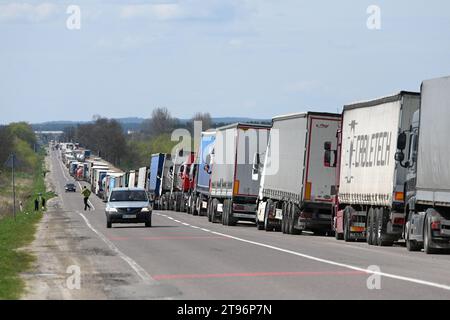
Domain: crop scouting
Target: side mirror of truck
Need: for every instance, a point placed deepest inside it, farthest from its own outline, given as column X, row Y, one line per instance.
column 401, row 141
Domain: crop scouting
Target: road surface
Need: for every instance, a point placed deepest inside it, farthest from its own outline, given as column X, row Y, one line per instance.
column 186, row 257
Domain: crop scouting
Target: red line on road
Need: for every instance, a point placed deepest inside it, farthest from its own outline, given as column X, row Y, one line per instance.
column 257, row 274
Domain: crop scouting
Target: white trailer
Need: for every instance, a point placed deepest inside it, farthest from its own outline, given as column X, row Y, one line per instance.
column 142, row 178
column 233, row 190
column 427, row 189
column 298, row 176
column 370, row 203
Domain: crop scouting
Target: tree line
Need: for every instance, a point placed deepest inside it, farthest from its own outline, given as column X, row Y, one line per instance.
column 107, row 139
column 18, row 138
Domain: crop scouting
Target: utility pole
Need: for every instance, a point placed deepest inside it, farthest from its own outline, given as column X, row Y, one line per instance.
column 13, row 185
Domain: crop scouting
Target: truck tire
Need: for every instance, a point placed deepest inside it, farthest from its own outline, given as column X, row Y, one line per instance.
column 294, row 231
column 267, row 225
column 208, row 210
column 284, row 218
column 198, row 206
column 182, row 204
column 231, row 221
column 427, row 237
column 346, row 226
column 224, row 213
column 412, row 245
column 214, row 213
column 193, row 205
column 338, row 236
column 369, row 227
column 381, row 241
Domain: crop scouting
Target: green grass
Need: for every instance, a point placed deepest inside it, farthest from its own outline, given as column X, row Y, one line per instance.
column 17, row 234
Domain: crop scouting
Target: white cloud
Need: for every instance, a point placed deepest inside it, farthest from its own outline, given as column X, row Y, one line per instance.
column 26, row 12
column 165, row 11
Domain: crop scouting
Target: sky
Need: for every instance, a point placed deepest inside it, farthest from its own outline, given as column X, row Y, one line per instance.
column 249, row 58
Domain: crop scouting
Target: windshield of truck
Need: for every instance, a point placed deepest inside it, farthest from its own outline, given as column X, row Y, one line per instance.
column 128, row 196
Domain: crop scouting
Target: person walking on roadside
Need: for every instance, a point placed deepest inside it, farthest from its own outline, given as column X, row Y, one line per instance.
column 43, row 203
column 36, row 204
column 86, row 194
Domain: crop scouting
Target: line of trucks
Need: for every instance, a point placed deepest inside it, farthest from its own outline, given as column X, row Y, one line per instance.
column 377, row 172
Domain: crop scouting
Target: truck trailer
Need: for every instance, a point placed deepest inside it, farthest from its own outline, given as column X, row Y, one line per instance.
column 233, row 190
column 427, row 186
column 182, row 183
column 160, row 179
column 201, row 175
column 298, row 176
column 370, row 199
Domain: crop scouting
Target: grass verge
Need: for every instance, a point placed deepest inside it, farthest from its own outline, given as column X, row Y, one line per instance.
column 15, row 234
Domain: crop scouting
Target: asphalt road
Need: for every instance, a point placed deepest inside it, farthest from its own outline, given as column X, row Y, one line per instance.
column 186, row 257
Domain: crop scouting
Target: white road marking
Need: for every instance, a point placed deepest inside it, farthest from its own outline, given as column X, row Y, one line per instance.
column 330, row 262
column 133, row 264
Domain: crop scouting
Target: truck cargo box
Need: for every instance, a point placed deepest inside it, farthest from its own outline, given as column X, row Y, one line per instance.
column 433, row 164
column 234, row 149
column 204, row 161
column 294, row 167
column 369, row 174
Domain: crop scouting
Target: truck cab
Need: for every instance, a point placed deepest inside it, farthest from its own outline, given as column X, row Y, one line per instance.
column 427, row 225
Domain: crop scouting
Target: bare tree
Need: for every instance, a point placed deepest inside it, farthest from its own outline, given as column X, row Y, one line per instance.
column 161, row 122
column 204, row 118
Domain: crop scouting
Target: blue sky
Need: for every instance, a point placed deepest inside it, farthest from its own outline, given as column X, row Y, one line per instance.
column 252, row 58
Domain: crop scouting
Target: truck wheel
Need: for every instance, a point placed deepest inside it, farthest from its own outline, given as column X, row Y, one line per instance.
column 412, row 245
column 338, row 236
column 284, row 219
column 381, row 242
column 427, row 241
column 346, row 226
column 148, row 223
column 214, row 213
column 182, row 204
column 224, row 213
column 294, row 231
column 231, row 221
column 369, row 227
column 208, row 210
column 194, row 210
column 267, row 225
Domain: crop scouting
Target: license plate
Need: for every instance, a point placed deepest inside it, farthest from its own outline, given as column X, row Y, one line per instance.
column 129, row 216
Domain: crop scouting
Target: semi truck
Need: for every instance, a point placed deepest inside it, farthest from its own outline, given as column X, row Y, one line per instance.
column 201, row 175
column 233, row 190
column 298, row 176
column 182, row 182
column 160, row 179
column 427, row 185
column 370, row 200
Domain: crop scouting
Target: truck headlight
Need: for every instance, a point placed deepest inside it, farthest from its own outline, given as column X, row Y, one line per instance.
column 145, row 210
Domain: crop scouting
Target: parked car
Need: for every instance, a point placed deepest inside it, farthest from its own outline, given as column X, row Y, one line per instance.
column 128, row 205
column 70, row 187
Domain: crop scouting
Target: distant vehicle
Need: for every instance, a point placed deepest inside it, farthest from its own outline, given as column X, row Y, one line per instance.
column 128, row 205
column 70, row 187
column 234, row 192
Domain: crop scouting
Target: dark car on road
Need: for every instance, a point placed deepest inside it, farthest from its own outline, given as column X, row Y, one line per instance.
column 70, row 187
column 128, row 205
